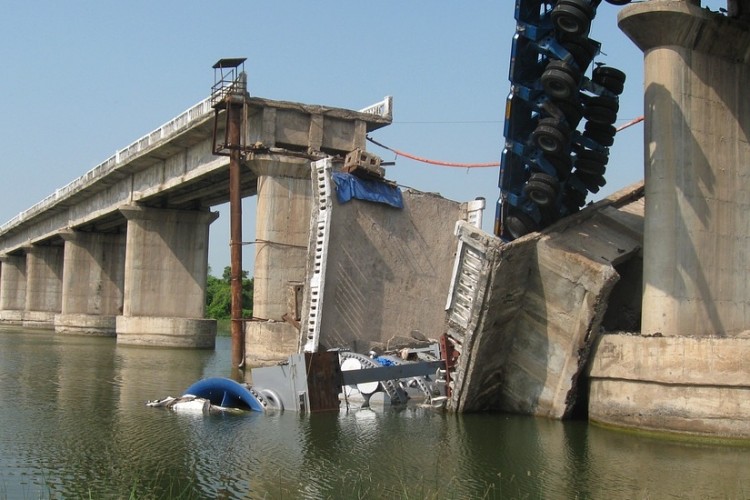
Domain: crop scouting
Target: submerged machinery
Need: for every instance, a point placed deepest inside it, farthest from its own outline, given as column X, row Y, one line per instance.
column 551, row 161
column 311, row 382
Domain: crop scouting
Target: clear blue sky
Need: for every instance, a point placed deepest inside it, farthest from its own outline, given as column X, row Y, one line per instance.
column 82, row 79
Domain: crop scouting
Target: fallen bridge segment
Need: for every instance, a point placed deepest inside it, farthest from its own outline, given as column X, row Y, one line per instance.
column 525, row 314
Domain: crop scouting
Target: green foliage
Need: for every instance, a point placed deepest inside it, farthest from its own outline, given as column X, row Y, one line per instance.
column 219, row 295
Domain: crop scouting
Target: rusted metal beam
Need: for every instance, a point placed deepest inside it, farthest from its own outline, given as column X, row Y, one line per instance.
column 234, row 135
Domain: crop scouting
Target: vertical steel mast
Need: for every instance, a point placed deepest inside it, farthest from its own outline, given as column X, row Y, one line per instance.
column 229, row 94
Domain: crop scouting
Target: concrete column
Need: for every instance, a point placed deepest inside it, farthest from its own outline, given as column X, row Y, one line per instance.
column 12, row 289
column 92, row 287
column 44, row 266
column 166, row 263
column 282, row 226
column 697, row 136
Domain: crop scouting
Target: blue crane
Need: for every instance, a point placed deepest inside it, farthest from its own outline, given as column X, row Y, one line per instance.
column 550, row 162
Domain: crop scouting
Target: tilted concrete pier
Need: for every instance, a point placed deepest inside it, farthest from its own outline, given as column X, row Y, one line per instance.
column 685, row 372
column 123, row 249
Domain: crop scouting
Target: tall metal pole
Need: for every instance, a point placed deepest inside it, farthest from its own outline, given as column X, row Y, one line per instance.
column 234, row 130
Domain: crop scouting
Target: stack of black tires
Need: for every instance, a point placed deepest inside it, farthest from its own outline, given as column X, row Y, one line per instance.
column 559, row 122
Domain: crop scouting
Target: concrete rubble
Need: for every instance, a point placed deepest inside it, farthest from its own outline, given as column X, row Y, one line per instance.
column 523, row 315
column 531, row 309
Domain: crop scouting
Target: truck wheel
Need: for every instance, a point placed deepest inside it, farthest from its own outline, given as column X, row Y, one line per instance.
column 604, row 101
column 600, row 133
column 610, row 78
column 582, row 52
column 599, row 137
column 559, row 84
column 600, row 114
column 540, row 193
column 587, row 154
column 608, row 72
column 592, row 181
column 590, row 167
column 518, row 224
column 551, row 136
column 571, row 21
column 569, row 110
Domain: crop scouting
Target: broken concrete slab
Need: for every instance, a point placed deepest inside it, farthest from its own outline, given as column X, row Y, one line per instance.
column 377, row 276
column 525, row 314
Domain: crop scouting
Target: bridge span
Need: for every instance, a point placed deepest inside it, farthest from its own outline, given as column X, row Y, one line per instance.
column 123, row 249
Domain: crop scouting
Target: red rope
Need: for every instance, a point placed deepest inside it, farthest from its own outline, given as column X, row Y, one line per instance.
column 469, row 165
column 630, row 123
column 433, row 162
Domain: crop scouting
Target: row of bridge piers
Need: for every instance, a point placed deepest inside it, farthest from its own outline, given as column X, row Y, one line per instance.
column 144, row 281
column 145, row 284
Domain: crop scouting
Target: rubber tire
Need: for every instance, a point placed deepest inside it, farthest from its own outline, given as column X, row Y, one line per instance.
column 592, row 182
column 540, row 192
column 576, row 197
column 600, row 114
column 608, row 72
column 569, row 110
column 618, row 2
column 581, row 51
column 610, row 78
column 590, row 167
column 584, row 5
column 574, row 72
column 519, row 224
column 602, row 134
column 604, row 102
column 550, row 180
column 599, row 137
column 551, row 136
column 589, row 155
column 614, row 86
column 570, row 21
column 598, row 127
column 558, row 84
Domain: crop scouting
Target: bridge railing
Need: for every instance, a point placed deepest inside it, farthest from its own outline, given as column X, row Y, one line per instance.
column 383, row 108
column 172, row 127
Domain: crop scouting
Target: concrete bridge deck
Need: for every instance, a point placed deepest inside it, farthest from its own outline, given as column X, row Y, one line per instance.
column 173, row 166
column 123, row 249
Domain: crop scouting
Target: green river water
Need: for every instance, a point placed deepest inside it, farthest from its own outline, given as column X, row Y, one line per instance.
column 73, row 424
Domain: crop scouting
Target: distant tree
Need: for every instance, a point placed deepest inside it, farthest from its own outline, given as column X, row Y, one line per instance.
column 219, row 295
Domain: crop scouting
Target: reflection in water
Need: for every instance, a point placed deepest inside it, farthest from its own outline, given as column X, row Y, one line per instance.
column 74, row 425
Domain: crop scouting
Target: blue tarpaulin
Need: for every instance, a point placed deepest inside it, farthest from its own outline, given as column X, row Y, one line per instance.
column 349, row 186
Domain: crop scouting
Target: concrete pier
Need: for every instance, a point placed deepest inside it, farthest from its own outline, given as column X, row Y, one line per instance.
column 44, row 269
column 697, row 116
column 281, row 233
column 685, row 373
column 281, row 238
column 93, row 279
column 695, row 385
column 12, row 289
column 166, row 264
